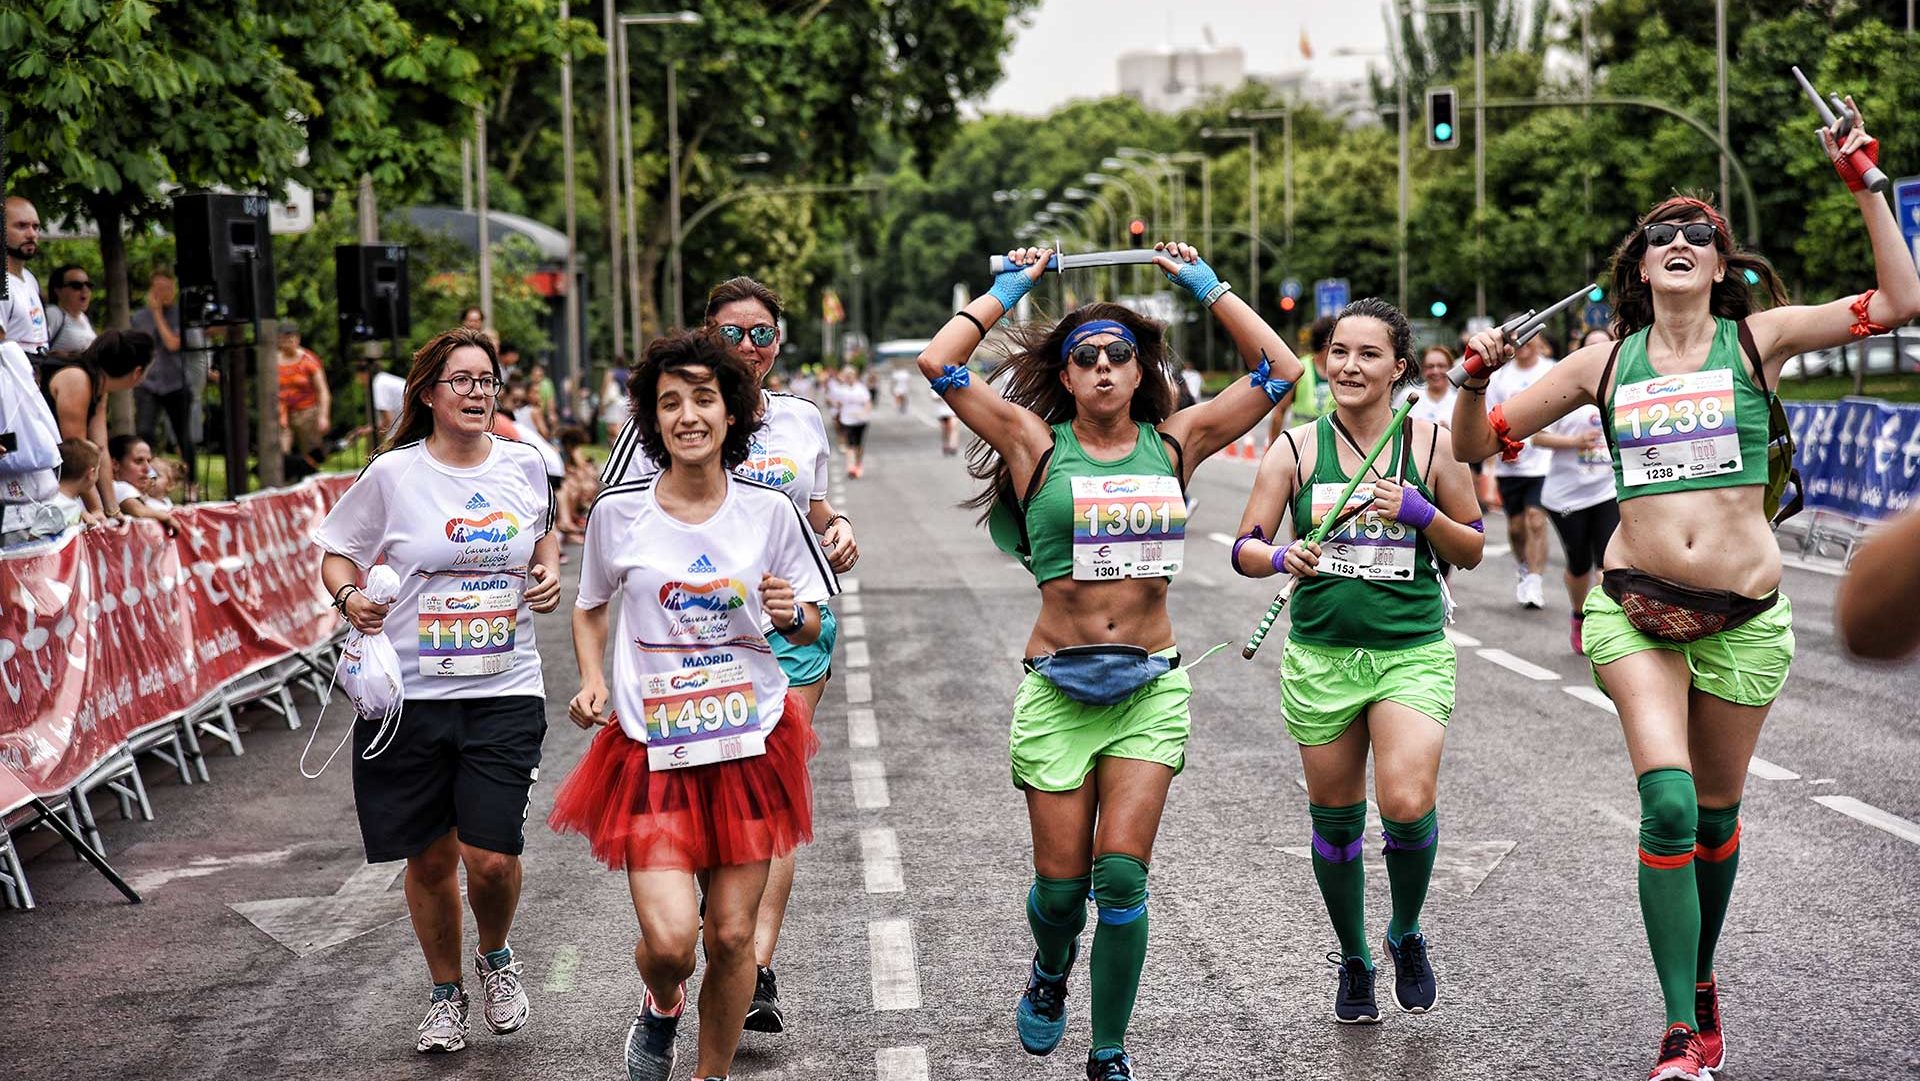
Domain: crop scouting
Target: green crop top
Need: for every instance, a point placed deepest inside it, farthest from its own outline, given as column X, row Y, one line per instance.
column 1686, row 432
column 1099, row 520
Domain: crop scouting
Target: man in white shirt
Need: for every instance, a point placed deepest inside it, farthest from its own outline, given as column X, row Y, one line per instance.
column 23, row 317
column 1523, row 480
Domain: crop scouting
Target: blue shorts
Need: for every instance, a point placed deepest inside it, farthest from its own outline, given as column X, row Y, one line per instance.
column 809, row 663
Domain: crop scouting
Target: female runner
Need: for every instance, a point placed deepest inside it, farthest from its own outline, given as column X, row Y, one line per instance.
column 1689, row 633
column 1087, row 465
column 1366, row 663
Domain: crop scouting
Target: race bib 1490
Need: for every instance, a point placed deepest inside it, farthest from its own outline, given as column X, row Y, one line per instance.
column 700, row 715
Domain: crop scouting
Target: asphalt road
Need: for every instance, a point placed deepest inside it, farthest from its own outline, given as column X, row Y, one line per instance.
column 906, row 943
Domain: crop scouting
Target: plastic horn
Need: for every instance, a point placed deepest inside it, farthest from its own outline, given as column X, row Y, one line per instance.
column 1328, row 525
column 1876, row 180
column 1132, row 257
column 1519, row 330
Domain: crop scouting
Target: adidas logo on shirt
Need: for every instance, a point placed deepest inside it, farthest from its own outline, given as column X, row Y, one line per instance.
column 478, row 502
column 703, row 565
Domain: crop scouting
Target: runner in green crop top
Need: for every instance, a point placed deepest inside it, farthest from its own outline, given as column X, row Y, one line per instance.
column 1692, row 704
column 1086, row 451
column 1686, row 432
column 1366, row 667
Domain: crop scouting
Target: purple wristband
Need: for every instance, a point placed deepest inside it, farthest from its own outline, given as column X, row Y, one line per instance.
column 1414, row 509
column 1280, row 557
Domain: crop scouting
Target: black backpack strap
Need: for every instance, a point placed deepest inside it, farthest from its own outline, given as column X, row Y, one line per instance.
column 1295, row 448
column 1604, row 400
column 1179, row 456
column 1752, row 351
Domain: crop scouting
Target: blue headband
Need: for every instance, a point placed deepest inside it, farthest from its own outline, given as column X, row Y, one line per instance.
column 1096, row 326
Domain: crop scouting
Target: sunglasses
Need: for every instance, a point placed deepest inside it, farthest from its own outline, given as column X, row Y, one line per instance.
column 70, row 284
column 761, row 335
column 1119, row 351
column 1699, row 233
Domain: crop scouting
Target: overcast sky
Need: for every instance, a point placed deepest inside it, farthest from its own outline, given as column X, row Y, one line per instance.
column 1071, row 48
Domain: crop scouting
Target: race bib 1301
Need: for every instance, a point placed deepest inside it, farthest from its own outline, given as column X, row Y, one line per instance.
column 1127, row 526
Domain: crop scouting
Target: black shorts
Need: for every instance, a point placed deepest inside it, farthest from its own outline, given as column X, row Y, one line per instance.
column 466, row 763
column 1519, row 493
column 856, row 435
column 1584, row 534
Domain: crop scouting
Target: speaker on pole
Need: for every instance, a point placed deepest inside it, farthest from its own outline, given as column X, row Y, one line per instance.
column 224, row 256
column 371, row 280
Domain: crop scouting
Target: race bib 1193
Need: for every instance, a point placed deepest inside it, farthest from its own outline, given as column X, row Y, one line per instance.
column 468, row 632
column 1127, row 526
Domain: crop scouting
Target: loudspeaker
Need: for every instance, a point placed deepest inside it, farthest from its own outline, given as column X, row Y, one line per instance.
column 371, row 280
column 224, row 256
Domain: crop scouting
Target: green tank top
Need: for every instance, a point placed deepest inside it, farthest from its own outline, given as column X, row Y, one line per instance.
column 1099, row 520
column 1376, row 588
column 1679, row 433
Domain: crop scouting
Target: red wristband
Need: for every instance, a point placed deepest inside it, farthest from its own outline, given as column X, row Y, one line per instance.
column 1510, row 447
column 1862, row 326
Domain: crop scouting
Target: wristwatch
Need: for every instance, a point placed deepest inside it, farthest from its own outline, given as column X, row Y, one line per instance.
column 799, row 621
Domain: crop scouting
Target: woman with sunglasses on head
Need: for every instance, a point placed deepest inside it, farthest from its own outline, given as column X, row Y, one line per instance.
column 788, row 449
column 1689, row 633
column 1367, row 665
column 1086, row 463
column 465, row 518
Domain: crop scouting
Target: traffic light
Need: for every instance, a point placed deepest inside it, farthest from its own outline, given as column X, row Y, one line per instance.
column 1439, row 309
column 1443, row 118
column 1287, row 304
column 1137, row 229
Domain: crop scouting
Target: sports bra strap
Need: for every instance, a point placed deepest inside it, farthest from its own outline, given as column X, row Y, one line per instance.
column 1604, row 400
column 1298, row 479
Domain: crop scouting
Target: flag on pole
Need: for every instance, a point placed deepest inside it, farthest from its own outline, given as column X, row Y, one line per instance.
column 1306, row 47
column 831, row 310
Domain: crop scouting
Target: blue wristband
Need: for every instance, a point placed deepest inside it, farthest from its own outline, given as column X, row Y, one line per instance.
column 1010, row 285
column 1262, row 379
column 951, row 377
column 1199, row 279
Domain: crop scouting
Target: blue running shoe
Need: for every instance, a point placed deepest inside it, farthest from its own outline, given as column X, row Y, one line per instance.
column 1414, row 988
column 1109, row 1064
column 1353, row 1002
column 1042, row 1013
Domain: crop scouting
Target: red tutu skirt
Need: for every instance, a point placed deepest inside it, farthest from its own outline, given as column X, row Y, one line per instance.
column 724, row 813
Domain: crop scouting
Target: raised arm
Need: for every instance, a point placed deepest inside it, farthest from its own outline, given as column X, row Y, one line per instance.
column 1566, row 387
column 1204, row 428
column 1018, row 435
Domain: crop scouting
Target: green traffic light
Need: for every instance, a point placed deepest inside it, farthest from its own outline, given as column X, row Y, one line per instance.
column 1439, row 308
column 1443, row 132
column 1597, row 294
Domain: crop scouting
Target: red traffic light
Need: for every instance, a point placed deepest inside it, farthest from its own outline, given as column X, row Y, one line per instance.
column 1286, row 304
column 1137, row 227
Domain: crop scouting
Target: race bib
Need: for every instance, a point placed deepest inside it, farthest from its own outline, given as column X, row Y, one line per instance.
column 468, row 632
column 700, row 715
column 1127, row 526
column 1676, row 427
column 1369, row 546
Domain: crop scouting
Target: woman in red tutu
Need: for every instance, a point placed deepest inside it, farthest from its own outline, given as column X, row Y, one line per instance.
column 704, row 772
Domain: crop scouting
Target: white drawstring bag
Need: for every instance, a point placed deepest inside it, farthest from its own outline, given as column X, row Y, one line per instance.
column 369, row 671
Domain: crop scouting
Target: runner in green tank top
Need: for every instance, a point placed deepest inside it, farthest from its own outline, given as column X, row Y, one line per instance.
column 1367, row 666
column 1087, row 462
column 1689, row 634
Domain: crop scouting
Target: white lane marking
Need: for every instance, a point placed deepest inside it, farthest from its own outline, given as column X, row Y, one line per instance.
column 202, row 866
column 1495, row 550
column 859, row 688
column 880, row 858
column 1823, row 780
column 1460, row 641
column 857, row 656
column 1514, row 664
column 869, row 784
column 1617, row 817
column 854, row 626
column 566, row 959
column 900, row 1063
column 1872, row 816
column 1221, row 539
column 1202, row 580
column 371, row 878
column 847, row 606
column 1592, row 696
column 1768, row 771
column 896, row 980
column 862, row 731
column 849, row 585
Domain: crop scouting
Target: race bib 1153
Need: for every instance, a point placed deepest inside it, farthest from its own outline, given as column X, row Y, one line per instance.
column 1368, row 546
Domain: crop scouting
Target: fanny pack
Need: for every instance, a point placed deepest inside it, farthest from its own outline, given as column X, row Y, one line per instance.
column 1101, row 675
column 1679, row 613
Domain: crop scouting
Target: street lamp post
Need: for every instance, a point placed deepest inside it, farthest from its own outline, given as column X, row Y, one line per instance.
column 657, row 18
column 572, row 338
column 1252, row 136
column 1285, row 116
column 615, row 254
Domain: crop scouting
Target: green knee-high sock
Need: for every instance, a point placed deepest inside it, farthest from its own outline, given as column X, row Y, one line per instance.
column 1119, row 945
column 1338, row 835
column 1410, row 850
column 1057, row 912
column 1669, row 899
column 1716, row 857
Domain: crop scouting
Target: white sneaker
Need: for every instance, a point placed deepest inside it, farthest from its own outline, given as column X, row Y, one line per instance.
column 445, row 1027
column 505, row 1008
column 1520, row 594
column 1536, row 592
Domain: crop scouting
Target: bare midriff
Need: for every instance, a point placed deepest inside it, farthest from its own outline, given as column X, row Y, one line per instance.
column 1129, row 612
column 1716, row 538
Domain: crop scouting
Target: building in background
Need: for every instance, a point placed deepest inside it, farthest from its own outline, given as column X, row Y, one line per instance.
column 1170, row 79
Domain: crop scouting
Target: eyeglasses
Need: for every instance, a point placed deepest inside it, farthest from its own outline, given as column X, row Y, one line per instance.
column 1699, row 233
column 71, row 284
column 1119, row 351
column 464, row 385
column 762, row 334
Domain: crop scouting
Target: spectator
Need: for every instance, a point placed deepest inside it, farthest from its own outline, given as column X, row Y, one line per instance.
column 510, row 360
column 546, row 400
column 389, row 393
column 581, row 485
column 474, row 319
column 79, row 469
column 69, row 331
column 23, row 319
column 168, row 388
column 306, row 404
column 76, row 391
column 132, row 471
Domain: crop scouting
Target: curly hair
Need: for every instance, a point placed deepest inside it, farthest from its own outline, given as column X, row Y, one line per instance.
column 1398, row 329
column 1031, row 371
column 1733, row 295
column 695, row 356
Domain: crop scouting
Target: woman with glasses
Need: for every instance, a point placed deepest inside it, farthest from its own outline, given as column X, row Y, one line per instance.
column 789, row 451
column 1086, row 464
column 1689, row 633
column 465, row 518
column 69, row 331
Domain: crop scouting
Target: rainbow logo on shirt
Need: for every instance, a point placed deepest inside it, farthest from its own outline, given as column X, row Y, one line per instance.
column 691, row 681
column 776, row 470
column 496, row 528
column 1120, row 487
column 465, row 602
column 720, row 595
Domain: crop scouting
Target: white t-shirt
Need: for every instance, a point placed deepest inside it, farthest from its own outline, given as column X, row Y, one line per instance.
column 855, row 403
column 462, row 541
column 25, row 317
column 69, row 334
column 1578, row 479
column 690, row 612
column 789, row 452
column 901, row 381
column 1440, row 412
column 1507, row 383
column 122, row 491
column 530, row 435
column 389, row 393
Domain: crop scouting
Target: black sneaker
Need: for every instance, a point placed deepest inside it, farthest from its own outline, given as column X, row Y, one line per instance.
column 1414, row 988
column 650, row 1048
column 1109, row 1064
column 764, row 1014
column 1353, row 1002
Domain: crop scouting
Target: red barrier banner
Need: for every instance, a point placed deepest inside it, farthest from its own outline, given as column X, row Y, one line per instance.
column 113, row 629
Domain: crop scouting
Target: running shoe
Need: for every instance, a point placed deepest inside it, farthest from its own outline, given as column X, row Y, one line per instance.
column 650, row 1049
column 1414, row 988
column 1579, row 649
column 1536, row 592
column 505, row 1005
column 1109, row 1064
column 1353, row 1002
column 1520, row 594
column 1041, row 1015
column 1679, row 1057
column 445, row 1027
column 1706, row 1015
column 764, row 1015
